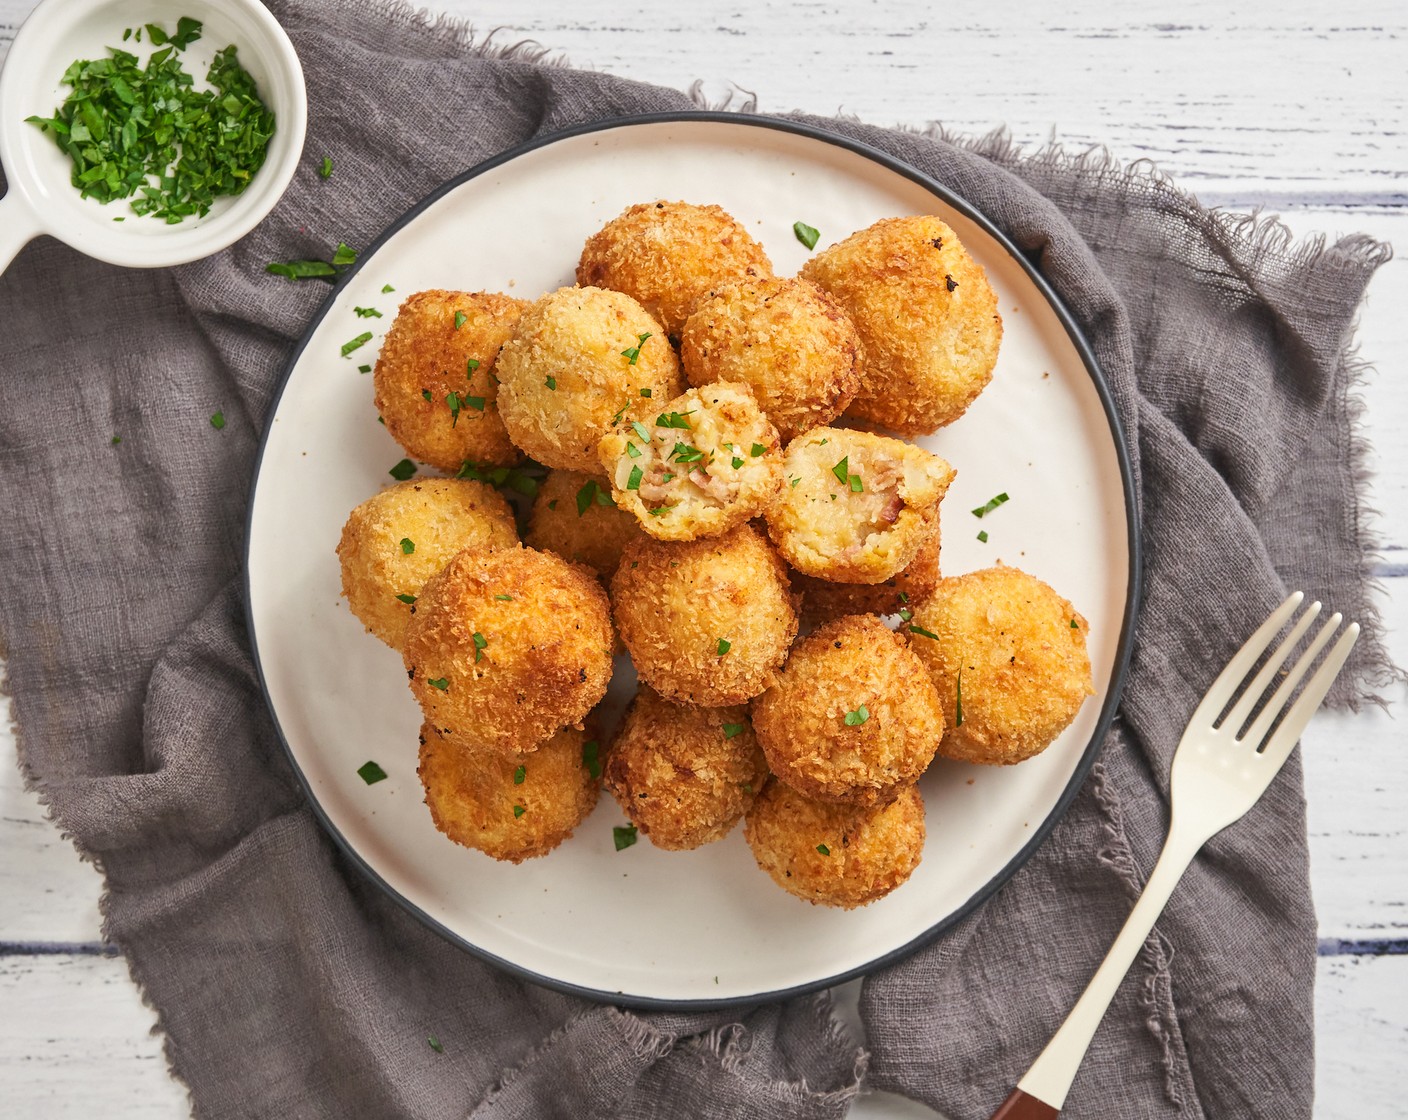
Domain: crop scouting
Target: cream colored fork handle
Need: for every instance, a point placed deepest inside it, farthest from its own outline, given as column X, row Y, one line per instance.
column 1050, row 1076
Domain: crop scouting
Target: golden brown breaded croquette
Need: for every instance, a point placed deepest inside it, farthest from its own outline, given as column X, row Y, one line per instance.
column 852, row 716
column 927, row 318
column 434, row 379
column 835, row 855
column 509, row 807
column 706, row 622
column 823, row 600
column 787, row 339
column 580, row 360
column 396, row 540
column 508, row 646
column 856, row 507
column 575, row 516
column 683, row 774
column 668, row 254
column 710, row 461
column 1015, row 652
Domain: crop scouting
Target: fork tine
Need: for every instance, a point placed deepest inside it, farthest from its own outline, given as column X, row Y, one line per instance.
column 1279, row 747
column 1321, row 681
column 1221, row 690
column 1243, row 708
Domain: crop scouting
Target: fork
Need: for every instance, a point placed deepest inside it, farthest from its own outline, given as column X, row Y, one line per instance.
column 1217, row 776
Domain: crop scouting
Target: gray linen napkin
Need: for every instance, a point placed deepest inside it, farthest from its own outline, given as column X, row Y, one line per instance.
column 287, row 986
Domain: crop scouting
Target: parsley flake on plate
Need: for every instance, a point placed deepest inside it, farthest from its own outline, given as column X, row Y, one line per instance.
column 371, row 773
column 354, row 343
column 807, row 235
column 402, row 470
column 591, row 757
column 624, row 836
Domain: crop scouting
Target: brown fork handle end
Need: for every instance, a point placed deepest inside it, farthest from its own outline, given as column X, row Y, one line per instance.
column 1023, row 1106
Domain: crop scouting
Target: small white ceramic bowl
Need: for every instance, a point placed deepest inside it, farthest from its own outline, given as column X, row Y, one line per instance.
column 41, row 199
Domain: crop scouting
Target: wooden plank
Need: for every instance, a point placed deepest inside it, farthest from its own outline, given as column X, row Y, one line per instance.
column 1302, row 93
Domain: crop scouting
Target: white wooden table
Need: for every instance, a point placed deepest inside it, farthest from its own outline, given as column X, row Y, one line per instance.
column 1302, row 112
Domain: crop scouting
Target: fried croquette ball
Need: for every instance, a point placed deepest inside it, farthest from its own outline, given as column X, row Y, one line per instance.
column 856, row 507
column 574, row 516
column 668, row 254
column 835, row 855
column 706, row 622
column 396, row 540
column 507, row 647
column 684, row 775
column 1016, row 649
column 580, row 360
column 852, row 716
column 787, row 339
column 509, row 807
column 927, row 318
column 823, row 600
column 434, row 379
column 710, row 461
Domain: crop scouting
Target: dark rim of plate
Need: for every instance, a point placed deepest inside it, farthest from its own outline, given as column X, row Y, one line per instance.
column 1132, row 596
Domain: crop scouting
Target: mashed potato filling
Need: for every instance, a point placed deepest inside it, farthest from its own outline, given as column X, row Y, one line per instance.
column 709, row 462
column 856, row 507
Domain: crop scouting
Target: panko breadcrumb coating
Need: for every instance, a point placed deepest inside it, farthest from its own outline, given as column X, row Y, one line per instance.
column 852, row 716
column 668, row 254
column 434, row 379
column 927, row 318
column 706, row 622
column 710, row 461
column 823, row 600
column 396, row 540
column 1016, row 649
column 856, row 507
column 508, row 646
column 575, row 516
column 509, row 807
column 787, row 339
column 684, row 775
column 581, row 360
column 835, row 855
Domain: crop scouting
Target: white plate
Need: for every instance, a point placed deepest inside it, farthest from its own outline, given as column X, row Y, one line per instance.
column 641, row 925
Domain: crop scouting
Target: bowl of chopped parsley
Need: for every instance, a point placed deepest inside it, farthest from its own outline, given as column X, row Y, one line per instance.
column 147, row 133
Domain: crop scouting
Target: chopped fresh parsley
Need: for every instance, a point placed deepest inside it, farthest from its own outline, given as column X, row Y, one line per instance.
column 407, row 599
column 480, row 642
column 353, row 343
column 624, row 836
column 1073, row 625
column 856, row 486
column 794, row 480
column 632, row 450
column 476, row 404
column 325, row 169
column 641, row 430
column 523, row 480
column 591, row 757
column 857, row 717
column 983, row 536
column 958, row 700
column 344, row 255
column 146, row 133
column 505, row 598
column 470, row 365
column 116, row 440
column 633, row 482
column 551, row 383
column 645, row 392
column 806, row 234
column 217, row 420
column 732, row 729
column 364, row 369
column 990, row 505
column 520, row 774
column 589, row 493
column 387, row 288
column 366, row 313
column 737, row 462
column 518, row 811
column 664, row 478
column 906, row 614
column 922, row 632
column 842, row 471
column 632, row 353
column 442, row 683
column 402, row 470
column 452, row 401
column 302, row 270
column 674, row 420
column 426, row 394
column 436, row 1045
column 460, row 318
column 684, row 453
column 371, row 773
column 724, row 646
column 823, row 849
column 757, row 450
column 408, row 546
